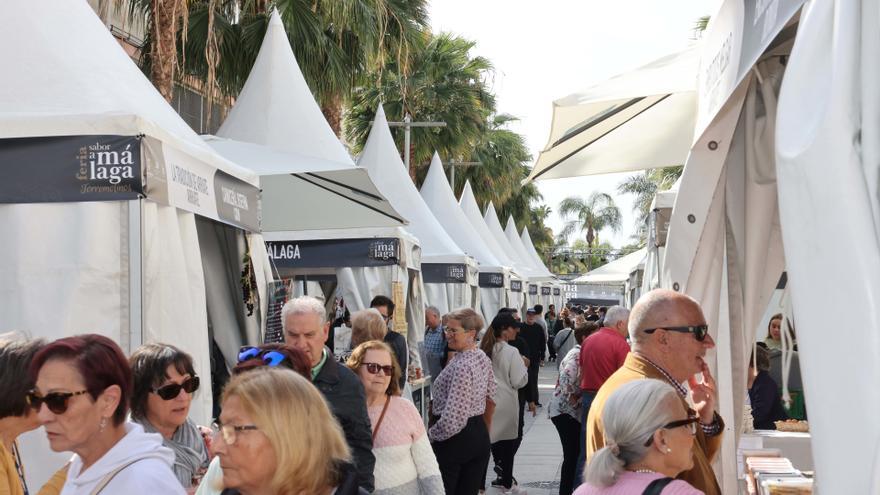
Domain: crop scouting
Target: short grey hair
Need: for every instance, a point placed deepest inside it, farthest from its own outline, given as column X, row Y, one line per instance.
column 615, row 314
column 302, row 306
column 632, row 414
column 433, row 309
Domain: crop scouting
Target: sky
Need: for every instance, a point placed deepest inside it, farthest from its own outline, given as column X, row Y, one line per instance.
column 545, row 50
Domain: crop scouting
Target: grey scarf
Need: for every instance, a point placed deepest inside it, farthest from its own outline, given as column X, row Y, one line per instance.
column 190, row 454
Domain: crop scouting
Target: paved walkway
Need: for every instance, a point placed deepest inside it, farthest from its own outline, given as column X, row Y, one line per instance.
column 539, row 458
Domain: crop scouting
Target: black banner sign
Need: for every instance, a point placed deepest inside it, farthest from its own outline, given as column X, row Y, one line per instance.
column 545, row 291
column 556, row 291
column 70, row 168
column 329, row 253
column 533, row 290
column 237, row 201
column 516, row 285
column 441, row 273
column 491, row 280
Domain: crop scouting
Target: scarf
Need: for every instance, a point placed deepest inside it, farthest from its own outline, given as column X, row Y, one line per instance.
column 190, row 454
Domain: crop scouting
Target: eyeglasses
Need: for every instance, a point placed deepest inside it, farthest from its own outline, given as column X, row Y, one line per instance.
column 230, row 432
column 699, row 331
column 270, row 357
column 57, row 402
column 373, row 368
column 690, row 422
column 451, row 331
column 172, row 390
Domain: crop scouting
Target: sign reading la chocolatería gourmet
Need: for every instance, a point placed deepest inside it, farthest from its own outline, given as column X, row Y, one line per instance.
column 328, row 253
column 70, row 168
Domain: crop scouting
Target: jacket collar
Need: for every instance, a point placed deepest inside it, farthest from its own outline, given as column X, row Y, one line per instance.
column 329, row 372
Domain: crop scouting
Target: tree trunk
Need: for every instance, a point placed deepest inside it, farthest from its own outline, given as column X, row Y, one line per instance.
column 332, row 110
column 163, row 49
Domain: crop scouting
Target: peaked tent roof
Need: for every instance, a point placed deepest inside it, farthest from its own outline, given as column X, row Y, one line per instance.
column 277, row 129
column 439, row 197
column 381, row 158
column 468, row 204
column 533, row 253
column 541, row 271
column 276, row 107
column 616, row 271
column 491, row 218
column 95, row 88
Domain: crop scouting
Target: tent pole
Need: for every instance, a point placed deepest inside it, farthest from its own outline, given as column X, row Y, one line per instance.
column 135, row 274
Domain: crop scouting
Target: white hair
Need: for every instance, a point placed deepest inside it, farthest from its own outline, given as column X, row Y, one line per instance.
column 433, row 309
column 615, row 314
column 303, row 305
column 631, row 416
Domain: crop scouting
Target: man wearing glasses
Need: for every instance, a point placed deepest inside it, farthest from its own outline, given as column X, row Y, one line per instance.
column 669, row 340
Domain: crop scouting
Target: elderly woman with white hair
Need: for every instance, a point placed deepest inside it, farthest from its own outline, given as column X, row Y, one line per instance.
column 649, row 440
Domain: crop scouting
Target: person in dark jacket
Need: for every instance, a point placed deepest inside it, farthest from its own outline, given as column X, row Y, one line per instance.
column 385, row 306
column 533, row 334
column 306, row 328
column 764, row 393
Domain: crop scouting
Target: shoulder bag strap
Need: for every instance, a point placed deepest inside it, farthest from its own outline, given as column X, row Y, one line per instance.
column 566, row 338
column 381, row 416
column 656, row 487
column 107, row 479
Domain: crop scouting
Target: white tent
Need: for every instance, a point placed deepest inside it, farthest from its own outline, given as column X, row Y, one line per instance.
column 450, row 276
column 88, row 253
column 468, row 204
column 557, row 297
column 326, row 223
column 615, row 272
column 640, row 119
column 724, row 243
column 827, row 138
column 542, row 278
column 494, row 279
column 658, row 226
column 530, row 289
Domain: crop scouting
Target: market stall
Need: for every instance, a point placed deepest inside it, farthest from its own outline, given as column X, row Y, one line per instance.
column 526, row 272
column 493, row 278
column 117, row 219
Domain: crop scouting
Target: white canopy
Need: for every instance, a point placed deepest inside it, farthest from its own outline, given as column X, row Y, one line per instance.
column 637, row 120
column 615, row 272
column 533, row 253
column 541, row 272
column 277, row 130
column 494, row 225
column 827, row 155
column 468, row 204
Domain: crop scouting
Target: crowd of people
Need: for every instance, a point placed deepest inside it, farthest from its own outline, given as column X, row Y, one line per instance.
column 626, row 422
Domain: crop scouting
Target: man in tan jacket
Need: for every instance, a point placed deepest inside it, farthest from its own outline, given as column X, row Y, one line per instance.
column 669, row 339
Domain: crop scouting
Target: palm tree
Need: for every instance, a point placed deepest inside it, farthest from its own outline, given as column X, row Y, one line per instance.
column 444, row 84
column 645, row 186
column 503, row 157
column 591, row 215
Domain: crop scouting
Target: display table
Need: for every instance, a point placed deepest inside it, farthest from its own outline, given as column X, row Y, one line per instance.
column 421, row 396
column 794, row 446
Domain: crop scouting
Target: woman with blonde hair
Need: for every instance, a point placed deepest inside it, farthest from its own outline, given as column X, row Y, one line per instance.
column 461, row 394
column 649, row 439
column 276, row 435
column 405, row 462
column 366, row 325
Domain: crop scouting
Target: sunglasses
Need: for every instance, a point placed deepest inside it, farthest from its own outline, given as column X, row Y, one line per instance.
column 172, row 390
column 699, row 331
column 270, row 357
column 690, row 422
column 373, row 368
column 57, row 402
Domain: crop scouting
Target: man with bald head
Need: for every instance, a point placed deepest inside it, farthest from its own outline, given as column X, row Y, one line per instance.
column 669, row 340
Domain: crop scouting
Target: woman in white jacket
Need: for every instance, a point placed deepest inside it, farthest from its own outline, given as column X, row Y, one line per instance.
column 510, row 375
column 83, row 384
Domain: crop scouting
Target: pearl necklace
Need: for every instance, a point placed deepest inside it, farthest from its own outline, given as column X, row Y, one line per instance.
column 644, row 471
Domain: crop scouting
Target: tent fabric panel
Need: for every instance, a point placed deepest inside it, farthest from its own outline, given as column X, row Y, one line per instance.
column 828, row 96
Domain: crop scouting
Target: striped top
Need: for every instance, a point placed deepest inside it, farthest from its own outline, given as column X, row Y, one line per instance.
column 405, row 462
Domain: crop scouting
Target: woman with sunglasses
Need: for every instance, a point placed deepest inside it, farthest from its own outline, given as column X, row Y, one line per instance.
column 164, row 384
column 460, row 396
column 276, row 436
column 16, row 417
column 405, row 462
column 81, row 395
column 649, row 440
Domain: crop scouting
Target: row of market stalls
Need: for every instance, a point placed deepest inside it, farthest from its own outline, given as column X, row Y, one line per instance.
column 118, row 219
column 775, row 115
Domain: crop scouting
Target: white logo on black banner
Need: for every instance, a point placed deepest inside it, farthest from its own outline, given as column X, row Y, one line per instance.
column 383, row 250
column 284, row 251
column 107, row 166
